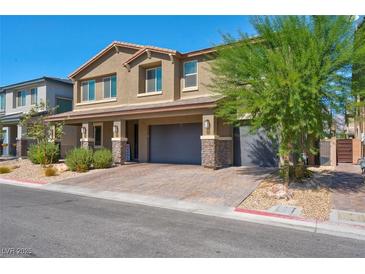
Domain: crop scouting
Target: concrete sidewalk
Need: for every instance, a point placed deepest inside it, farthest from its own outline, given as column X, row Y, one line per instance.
column 343, row 230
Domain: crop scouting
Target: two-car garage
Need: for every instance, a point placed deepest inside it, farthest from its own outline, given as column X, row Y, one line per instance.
column 181, row 144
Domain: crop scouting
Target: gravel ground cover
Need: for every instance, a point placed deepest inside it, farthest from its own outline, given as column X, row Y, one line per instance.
column 314, row 200
column 23, row 169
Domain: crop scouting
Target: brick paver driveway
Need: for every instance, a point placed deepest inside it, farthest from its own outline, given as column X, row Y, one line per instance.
column 228, row 186
column 348, row 187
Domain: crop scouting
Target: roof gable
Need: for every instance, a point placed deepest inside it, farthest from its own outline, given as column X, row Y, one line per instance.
column 114, row 46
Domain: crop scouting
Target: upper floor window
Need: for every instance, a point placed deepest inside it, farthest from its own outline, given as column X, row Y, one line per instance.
column 33, row 96
column 2, row 102
column 110, row 87
column 63, row 104
column 88, row 90
column 191, row 75
column 20, row 98
column 154, row 79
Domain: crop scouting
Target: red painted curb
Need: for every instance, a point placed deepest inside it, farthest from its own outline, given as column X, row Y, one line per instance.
column 25, row 181
column 270, row 214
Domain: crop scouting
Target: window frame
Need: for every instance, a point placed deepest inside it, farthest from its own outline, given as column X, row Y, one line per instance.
column 31, row 96
column 2, row 102
column 185, row 88
column 20, row 98
column 101, row 135
column 110, row 85
column 146, row 81
column 88, row 90
column 63, row 98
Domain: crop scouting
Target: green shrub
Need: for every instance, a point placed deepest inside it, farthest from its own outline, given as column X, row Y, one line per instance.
column 5, row 169
column 79, row 159
column 44, row 153
column 50, row 171
column 102, row 158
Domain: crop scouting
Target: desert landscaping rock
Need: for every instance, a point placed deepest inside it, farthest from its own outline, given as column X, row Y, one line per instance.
column 315, row 203
column 23, row 169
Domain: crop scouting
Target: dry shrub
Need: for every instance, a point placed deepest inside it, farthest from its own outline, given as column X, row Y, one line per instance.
column 50, row 171
column 5, row 169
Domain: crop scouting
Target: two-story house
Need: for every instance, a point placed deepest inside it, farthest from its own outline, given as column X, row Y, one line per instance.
column 151, row 104
column 17, row 99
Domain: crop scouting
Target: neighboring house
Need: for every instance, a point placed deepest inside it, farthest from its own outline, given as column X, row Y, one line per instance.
column 19, row 98
column 151, row 104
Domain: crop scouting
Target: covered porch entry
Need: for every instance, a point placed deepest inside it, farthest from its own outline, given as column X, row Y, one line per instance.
column 187, row 138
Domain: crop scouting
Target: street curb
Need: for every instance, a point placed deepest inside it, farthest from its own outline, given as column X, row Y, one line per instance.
column 29, row 183
column 270, row 214
column 252, row 216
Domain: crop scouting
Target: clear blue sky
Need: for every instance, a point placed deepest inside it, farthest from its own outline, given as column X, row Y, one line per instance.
column 35, row 46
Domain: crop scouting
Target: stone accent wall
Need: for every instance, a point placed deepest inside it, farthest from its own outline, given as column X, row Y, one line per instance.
column 118, row 150
column 216, row 153
column 225, row 153
column 21, row 147
column 87, row 144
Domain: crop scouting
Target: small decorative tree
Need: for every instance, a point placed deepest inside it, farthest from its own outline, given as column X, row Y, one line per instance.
column 291, row 79
column 38, row 128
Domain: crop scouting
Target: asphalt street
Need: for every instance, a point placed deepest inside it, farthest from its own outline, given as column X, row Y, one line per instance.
column 38, row 223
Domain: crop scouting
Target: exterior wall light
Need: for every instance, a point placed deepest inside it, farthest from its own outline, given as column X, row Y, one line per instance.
column 206, row 124
column 83, row 131
column 115, row 130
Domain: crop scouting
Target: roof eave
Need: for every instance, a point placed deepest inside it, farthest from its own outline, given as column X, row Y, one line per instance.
column 25, row 83
column 133, row 112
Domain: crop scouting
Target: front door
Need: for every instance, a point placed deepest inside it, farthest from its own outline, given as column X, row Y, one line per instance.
column 135, row 142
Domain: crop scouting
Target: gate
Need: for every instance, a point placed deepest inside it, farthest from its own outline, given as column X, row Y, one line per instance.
column 344, row 150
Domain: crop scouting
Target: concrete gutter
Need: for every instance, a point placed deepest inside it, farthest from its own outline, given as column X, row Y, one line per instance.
column 347, row 231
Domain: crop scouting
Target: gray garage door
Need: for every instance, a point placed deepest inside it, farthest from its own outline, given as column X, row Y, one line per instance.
column 176, row 143
column 254, row 149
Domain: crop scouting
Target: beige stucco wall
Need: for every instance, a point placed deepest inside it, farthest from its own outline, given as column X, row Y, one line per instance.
column 107, row 134
column 204, row 77
column 70, row 139
column 224, row 129
column 131, row 83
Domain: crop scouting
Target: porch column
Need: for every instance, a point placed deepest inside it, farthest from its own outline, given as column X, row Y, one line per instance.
column 87, row 136
column 119, row 142
column 216, row 150
column 21, row 142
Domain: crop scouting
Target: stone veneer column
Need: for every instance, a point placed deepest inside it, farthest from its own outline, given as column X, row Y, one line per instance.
column 21, row 147
column 87, row 136
column 119, row 142
column 118, row 150
column 217, row 152
column 21, row 142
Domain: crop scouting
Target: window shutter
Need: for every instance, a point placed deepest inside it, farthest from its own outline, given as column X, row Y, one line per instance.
column 158, row 79
column 113, row 92
column 92, row 90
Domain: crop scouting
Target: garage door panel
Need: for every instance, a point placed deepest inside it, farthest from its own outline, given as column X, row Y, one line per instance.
column 175, row 143
column 254, row 149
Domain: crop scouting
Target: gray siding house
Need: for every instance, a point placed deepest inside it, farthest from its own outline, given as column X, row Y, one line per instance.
column 17, row 99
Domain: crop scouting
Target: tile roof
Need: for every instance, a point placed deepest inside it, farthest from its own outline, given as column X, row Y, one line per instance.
column 140, row 50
